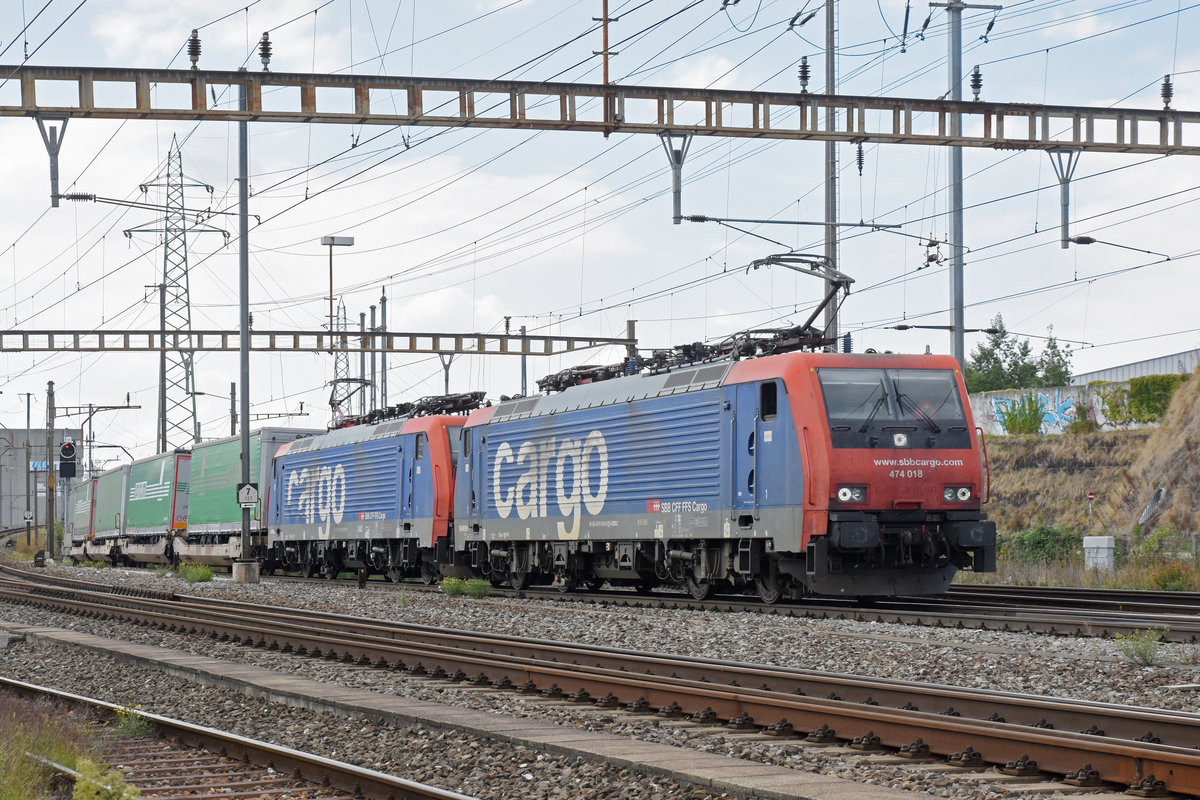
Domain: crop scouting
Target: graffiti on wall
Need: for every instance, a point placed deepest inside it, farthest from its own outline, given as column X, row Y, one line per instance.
column 1057, row 414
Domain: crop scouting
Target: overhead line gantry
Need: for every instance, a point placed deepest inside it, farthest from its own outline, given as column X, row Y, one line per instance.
column 118, row 93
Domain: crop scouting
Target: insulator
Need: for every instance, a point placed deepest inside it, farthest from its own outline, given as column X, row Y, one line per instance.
column 1168, row 91
column 859, row 158
column 264, row 51
column 804, row 74
column 976, row 81
column 193, row 47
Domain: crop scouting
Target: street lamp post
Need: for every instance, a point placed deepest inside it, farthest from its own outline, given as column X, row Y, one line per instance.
column 332, row 242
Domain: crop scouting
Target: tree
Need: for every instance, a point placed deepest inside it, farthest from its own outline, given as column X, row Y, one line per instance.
column 1055, row 363
column 1005, row 361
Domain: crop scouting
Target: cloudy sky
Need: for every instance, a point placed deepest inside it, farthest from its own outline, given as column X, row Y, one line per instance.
column 571, row 232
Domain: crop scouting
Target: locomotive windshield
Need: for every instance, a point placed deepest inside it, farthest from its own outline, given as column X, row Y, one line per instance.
column 870, row 407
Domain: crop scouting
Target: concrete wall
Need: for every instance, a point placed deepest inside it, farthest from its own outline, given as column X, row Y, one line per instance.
column 1060, row 406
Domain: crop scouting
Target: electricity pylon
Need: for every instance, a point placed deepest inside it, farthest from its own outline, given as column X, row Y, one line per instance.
column 344, row 387
column 178, row 425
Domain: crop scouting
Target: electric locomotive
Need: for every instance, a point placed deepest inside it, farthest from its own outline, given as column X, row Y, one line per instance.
column 372, row 496
column 800, row 473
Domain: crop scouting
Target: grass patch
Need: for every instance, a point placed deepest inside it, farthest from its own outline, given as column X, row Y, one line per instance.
column 194, row 573
column 475, row 587
column 162, row 571
column 130, row 724
column 36, row 728
column 478, row 588
column 1141, row 647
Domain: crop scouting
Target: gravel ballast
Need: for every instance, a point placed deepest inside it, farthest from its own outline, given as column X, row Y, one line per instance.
column 1084, row 668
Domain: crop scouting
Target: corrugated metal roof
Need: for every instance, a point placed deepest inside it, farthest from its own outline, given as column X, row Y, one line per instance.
column 1183, row 363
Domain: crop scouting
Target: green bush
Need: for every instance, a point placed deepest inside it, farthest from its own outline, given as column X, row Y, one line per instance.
column 194, row 573
column 1023, row 416
column 1084, row 421
column 478, row 588
column 453, row 586
column 97, row 783
column 1175, row 576
column 1040, row 545
column 1114, row 402
column 1150, row 395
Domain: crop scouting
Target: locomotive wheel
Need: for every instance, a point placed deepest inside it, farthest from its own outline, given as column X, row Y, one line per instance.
column 429, row 573
column 646, row 585
column 593, row 584
column 393, row 574
column 330, row 571
column 308, row 569
column 768, row 589
column 566, row 582
column 518, row 580
column 699, row 589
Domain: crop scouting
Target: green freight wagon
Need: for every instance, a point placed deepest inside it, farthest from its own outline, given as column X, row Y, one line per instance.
column 214, row 533
column 156, row 508
column 108, row 514
column 80, row 506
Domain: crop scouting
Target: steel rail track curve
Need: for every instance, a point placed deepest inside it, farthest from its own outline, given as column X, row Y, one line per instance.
column 1101, row 742
column 353, row 780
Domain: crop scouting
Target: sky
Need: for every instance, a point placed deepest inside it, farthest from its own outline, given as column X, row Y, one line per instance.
column 570, row 232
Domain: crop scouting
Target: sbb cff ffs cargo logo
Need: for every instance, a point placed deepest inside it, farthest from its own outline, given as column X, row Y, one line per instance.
column 572, row 483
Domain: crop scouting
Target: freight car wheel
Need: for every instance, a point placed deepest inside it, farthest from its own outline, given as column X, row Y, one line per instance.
column 700, row 590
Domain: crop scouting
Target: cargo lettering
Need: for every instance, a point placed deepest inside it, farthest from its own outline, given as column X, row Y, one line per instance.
column 322, row 494
column 571, row 479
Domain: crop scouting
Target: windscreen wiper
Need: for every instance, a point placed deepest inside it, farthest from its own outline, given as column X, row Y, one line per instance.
column 874, row 409
column 917, row 412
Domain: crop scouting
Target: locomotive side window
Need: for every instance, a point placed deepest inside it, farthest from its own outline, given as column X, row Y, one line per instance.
column 454, row 435
column 419, row 450
column 768, row 401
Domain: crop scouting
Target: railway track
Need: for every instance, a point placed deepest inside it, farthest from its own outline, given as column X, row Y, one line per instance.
column 178, row 760
column 1082, row 742
column 1036, row 609
column 1067, row 611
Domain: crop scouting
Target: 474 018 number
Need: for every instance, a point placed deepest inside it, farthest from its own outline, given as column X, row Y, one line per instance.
column 907, row 473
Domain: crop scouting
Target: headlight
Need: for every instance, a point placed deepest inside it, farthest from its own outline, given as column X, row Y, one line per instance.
column 852, row 494
column 957, row 494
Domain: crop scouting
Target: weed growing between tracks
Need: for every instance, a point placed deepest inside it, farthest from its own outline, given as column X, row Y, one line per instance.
column 1141, row 647
column 97, row 783
column 38, row 728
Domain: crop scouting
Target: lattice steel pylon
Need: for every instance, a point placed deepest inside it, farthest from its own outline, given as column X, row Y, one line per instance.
column 344, row 387
column 178, row 423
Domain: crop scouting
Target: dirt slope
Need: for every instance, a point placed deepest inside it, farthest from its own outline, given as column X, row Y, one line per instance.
column 1047, row 478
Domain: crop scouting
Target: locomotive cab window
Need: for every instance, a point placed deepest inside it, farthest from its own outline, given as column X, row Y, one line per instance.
column 419, row 448
column 869, row 407
column 768, row 401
